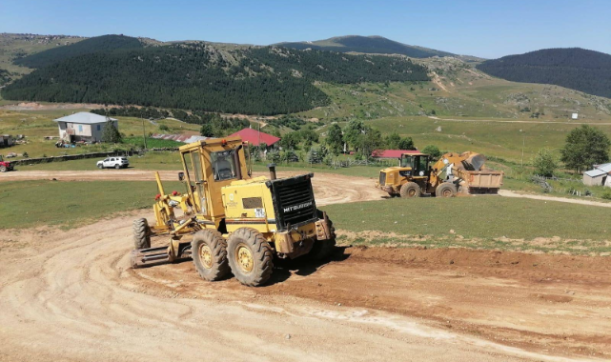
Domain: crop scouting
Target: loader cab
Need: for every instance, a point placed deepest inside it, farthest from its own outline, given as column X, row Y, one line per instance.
column 418, row 162
column 208, row 166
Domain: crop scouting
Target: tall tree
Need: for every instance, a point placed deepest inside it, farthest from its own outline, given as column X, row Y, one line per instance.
column 407, row 144
column 545, row 163
column 110, row 134
column 393, row 140
column 585, row 146
column 335, row 139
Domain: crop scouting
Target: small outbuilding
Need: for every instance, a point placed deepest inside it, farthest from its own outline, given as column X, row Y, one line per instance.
column 6, row 140
column 83, row 126
column 594, row 177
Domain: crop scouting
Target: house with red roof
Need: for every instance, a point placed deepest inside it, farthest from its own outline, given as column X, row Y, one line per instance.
column 392, row 153
column 256, row 138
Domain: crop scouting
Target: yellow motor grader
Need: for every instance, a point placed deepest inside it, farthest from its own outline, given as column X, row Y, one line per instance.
column 231, row 221
column 453, row 173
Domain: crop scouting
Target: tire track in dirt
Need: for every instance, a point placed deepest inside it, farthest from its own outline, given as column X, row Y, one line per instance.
column 70, row 296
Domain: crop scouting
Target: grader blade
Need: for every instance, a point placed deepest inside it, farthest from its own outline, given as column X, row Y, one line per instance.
column 143, row 256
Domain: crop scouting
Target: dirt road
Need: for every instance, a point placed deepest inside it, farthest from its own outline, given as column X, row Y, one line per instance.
column 70, row 296
column 330, row 188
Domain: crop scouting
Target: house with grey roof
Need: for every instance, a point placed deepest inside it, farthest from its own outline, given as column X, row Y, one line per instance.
column 83, row 126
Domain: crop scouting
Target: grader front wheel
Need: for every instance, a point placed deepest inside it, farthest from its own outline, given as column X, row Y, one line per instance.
column 209, row 254
column 250, row 257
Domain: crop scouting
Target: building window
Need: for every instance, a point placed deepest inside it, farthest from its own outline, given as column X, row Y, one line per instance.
column 99, row 127
column 80, row 128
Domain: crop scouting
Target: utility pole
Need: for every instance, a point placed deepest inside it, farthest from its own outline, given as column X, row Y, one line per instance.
column 143, row 131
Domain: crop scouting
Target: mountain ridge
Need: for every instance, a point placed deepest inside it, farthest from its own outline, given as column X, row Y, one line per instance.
column 580, row 69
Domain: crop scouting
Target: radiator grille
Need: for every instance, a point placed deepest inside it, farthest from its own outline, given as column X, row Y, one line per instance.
column 294, row 201
column 382, row 178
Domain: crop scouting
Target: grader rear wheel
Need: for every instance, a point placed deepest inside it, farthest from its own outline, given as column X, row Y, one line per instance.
column 142, row 234
column 445, row 190
column 410, row 189
column 250, row 257
column 209, row 254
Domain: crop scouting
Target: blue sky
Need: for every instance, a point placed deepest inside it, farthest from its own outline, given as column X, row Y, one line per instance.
column 488, row 29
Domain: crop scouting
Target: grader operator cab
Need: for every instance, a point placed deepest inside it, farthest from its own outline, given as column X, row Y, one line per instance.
column 231, row 221
column 451, row 174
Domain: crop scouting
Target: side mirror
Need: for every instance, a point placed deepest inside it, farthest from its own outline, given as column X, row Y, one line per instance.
column 181, row 176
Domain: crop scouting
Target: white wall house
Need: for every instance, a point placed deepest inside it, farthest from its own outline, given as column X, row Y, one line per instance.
column 83, row 126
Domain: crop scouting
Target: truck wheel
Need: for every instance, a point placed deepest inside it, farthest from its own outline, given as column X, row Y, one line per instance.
column 250, row 257
column 117, row 167
column 323, row 249
column 410, row 189
column 209, row 254
column 2, row 168
column 142, row 234
column 100, row 166
column 445, row 190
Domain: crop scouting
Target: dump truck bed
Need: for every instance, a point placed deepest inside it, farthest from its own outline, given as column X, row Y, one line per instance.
column 482, row 181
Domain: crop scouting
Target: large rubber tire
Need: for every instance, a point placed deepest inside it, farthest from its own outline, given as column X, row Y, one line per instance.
column 117, row 167
column 209, row 254
column 323, row 249
column 101, row 167
column 2, row 168
column 142, row 234
column 410, row 189
column 445, row 190
column 250, row 257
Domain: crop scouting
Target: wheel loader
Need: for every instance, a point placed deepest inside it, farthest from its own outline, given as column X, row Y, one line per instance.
column 231, row 222
column 453, row 173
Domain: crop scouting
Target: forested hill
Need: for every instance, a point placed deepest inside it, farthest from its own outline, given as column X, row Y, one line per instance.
column 267, row 80
column 584, row 70
column 98, row 44
column 367, row 44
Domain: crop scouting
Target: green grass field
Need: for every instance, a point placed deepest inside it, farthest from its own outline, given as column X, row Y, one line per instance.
column 489, row 222
column 71, row 204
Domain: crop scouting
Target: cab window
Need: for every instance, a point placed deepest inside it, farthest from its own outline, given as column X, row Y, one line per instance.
column 224, row 165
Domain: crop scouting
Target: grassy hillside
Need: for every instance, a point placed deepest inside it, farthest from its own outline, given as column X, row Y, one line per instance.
column 16, row 46
column 584, row 70
column 199, row 77
column 459, row 91
column 366, row 44
column 103, row 43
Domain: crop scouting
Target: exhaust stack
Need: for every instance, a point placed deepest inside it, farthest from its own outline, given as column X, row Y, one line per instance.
column 272, row 171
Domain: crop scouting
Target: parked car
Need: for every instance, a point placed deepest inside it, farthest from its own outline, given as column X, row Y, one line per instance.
column 113, row 162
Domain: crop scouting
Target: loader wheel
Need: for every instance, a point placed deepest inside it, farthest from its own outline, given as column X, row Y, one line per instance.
column 209, row 254
column 445, row 190
column 2, row 168
column 323, row 249
column 250, row 257
column 410, row 189
column 142, row 234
